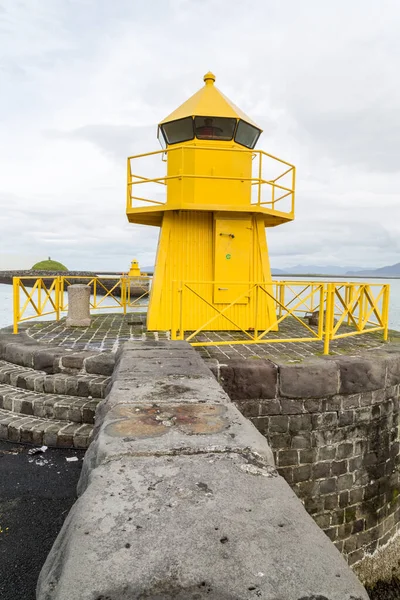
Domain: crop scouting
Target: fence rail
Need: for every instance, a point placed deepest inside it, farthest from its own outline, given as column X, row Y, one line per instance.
column 321, row 311
column 270, row 174
column 333, row 311
column 35, row 297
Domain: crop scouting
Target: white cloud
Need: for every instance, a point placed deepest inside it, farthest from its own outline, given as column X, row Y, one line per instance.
column 84, row 83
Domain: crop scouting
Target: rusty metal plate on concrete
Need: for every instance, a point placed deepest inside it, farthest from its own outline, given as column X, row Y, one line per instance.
column 144, row 422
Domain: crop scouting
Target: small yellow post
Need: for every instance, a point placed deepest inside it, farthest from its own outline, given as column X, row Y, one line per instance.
column 94, row 292
column 134, row 271
column 39, row 294
column 330, row 299
column 259, row 180
column 385, row 312
column 281, row 297
column 361, row 303
column 293, row 188
column 180, row 289
column 124, row 287
column 256, row 313
column 348, row 299
column 15, row 303
column 174, row 310
column 321, row 312
column 57, row 290
column 61, row 293
column 313, row 290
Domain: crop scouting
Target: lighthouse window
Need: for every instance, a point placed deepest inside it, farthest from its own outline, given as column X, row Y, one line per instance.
column 178, row 131
column 246, row 134
column 161, row 138
column 214, row 128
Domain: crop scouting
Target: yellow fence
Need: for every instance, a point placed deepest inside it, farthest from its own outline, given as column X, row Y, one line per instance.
column 35, row 297
column 269, row 173
column 346, row 309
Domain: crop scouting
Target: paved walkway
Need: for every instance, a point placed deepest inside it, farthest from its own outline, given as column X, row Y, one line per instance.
column 108, row 331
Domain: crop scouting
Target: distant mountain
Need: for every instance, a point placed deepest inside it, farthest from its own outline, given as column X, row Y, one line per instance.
column 147, row 269
column 277, row 271
column 315, row 270
column 388, row 271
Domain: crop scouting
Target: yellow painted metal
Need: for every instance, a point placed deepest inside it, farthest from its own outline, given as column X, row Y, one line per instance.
column 134, row 271
column 187, row 249
column 232, row 238
column 109, row 293
column 365, row 305
column 195, row 180
column 220, row 196
column 359, row 302
column 208, row 101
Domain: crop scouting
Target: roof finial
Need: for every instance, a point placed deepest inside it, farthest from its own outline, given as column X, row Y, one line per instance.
column 209, row 78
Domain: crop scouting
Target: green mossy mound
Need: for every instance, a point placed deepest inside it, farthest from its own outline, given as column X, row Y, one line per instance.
column 49, row 265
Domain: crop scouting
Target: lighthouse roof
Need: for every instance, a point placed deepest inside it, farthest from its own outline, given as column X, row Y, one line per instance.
column 208, row 101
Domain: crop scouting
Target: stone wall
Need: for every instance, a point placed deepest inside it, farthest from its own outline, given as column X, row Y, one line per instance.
column 333, row 426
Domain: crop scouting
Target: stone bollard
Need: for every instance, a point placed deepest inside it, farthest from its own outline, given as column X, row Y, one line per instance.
column 78, row 306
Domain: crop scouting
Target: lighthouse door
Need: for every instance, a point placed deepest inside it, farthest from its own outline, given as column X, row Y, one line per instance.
column 232, row 249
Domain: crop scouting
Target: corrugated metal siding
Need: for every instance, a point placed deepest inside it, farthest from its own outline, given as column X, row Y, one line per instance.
column 186, row 254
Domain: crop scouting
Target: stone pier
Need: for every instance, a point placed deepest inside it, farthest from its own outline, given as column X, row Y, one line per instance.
column 179, row 498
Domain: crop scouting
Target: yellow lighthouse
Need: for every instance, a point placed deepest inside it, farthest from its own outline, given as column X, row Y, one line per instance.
column 212, row 268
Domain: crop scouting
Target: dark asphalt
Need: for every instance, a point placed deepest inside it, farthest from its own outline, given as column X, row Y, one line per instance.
column 36, row 493
column 385, row 591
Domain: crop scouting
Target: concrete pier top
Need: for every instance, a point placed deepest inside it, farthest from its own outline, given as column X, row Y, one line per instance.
column 180, row 499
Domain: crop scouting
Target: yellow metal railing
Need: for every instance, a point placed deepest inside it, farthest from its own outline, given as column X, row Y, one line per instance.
column 281, row 186
column 346, row 309
column 35, row 297
column 353, row 307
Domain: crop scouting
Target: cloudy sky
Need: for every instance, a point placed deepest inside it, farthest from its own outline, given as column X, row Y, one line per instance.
column 83, row 84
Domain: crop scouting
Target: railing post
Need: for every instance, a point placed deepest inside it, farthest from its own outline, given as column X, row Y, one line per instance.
column 61, row 303
column 256, row 313
column 259, row 177
column 39, row 293
column 57, row 289
column 281, row 297
column 180, row 296
column 361, row 302
column 94, row 291
column 124, row 283
column 313, row 288
column 293, row 187
column 175, row 311
column 321, row 312
column 348, row 299
column 385, row 311
column 15, row 304
column 330, row 300
column 128, row 187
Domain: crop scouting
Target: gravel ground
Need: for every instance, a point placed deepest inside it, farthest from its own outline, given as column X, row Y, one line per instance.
column 36, row 493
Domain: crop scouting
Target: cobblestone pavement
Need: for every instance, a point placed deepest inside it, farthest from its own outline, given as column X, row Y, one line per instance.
column 108, row 331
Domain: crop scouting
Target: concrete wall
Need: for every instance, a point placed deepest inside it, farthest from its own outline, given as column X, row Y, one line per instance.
column 180, row 499
column 332, row 424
